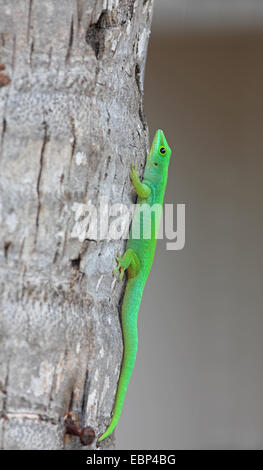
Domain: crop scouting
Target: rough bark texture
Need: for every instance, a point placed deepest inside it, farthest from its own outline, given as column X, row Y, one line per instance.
column 71, row 123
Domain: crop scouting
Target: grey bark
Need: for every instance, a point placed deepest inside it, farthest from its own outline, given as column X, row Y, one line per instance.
column 71, row 123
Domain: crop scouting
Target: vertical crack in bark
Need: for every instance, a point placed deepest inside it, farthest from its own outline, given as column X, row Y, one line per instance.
column 52, row 388
column 79, row 12
column 131, row 9
column 31, row 52
column 73, row 144
column 50, row 57
column 14, row 54
column 3, row 134
column 65, row 239
column 71, row 401
column 44, row 143
column 138, row 77
column 4, row 122
column 108, row 122
column 23, row 286
column 107, row 166
column 84, row 399
column 29, row 16
column 4, row 407
column 71, row 37
column 55, row 257
column 22, row 248
column 142, row 116
column 139, row 86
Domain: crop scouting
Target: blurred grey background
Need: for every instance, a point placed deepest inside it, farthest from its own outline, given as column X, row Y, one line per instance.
column 198, row 378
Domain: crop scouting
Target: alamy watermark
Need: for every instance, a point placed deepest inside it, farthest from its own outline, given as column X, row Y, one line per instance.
column 116, row 221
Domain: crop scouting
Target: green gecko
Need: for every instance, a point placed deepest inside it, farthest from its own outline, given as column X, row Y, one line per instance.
column 138, row 259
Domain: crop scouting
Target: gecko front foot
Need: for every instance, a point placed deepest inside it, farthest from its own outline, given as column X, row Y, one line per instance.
column 141, row 189
column 120, row 267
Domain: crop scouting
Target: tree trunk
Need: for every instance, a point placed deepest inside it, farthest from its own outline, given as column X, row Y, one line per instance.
column 71, row 123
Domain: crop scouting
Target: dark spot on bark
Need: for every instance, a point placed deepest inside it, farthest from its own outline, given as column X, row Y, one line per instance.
column 108, row 123
column 75, row 263
column 87, row 436
column 107, row 166
column 6, row 248
column 4, row 79
column 2, row 66
column 95, row 35
column 46, row 419
column 2, row 388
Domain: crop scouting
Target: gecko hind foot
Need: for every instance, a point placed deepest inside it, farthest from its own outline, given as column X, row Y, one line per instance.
column 130, row 262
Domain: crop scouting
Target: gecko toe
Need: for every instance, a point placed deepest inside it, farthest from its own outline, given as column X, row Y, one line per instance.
column 115, row 270
column 121, row 273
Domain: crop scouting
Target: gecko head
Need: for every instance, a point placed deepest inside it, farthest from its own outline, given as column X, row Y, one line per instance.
column 159, row 158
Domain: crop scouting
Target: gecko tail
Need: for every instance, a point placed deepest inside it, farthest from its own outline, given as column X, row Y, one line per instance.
column 130, row 338
column 130, row 350
column 110, row 429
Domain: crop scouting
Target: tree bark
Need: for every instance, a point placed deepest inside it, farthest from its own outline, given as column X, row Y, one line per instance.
column 71, row 123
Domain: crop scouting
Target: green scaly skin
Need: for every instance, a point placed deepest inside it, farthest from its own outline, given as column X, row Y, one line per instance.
column 138, row 259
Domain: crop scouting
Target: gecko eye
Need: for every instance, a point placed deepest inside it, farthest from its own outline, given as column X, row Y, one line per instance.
column 162, row 150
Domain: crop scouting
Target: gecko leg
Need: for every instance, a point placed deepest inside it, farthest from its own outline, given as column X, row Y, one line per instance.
column 141, row 189
column 130, row 262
